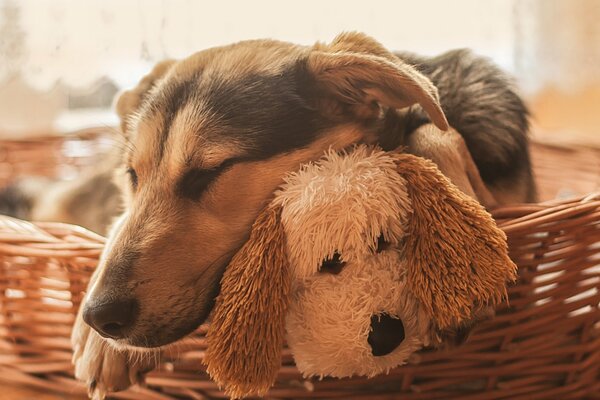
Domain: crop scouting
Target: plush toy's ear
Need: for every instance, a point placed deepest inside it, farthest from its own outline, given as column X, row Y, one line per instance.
column 247, row 330
column 355, row 74
column 128, row 102
column 456, row 257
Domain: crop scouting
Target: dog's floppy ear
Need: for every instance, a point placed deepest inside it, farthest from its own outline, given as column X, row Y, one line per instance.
column 247, row 330
column 456, row 257
column 129, row 101
column 356, row 42
column 356, row 74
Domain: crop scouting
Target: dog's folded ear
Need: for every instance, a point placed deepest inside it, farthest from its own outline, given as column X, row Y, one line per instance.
column 247, row 329
column 456, row 257
column 129, row 101
column 356, row 74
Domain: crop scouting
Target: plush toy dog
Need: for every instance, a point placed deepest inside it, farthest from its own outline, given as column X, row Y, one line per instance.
column 362, row 258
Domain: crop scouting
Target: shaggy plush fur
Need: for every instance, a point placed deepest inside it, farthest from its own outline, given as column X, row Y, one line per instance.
column 456, row 257
column 445, row 262
column 342, row 204
column 330, row 318
column 247, row 330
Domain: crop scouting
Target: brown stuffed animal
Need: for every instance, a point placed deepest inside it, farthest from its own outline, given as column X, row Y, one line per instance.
column 363, row 258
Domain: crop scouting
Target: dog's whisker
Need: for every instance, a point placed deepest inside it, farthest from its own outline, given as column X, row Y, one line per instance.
column 120, row 138
column 215, row 262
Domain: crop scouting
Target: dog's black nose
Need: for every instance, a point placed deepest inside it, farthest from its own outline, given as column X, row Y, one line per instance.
column 111, row 319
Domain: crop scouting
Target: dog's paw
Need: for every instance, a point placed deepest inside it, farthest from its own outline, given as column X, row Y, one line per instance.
column 102, row 367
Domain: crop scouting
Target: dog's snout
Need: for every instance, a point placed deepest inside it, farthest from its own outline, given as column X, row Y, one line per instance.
column 111, row 319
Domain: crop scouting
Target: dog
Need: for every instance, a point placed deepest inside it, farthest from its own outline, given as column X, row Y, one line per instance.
column 211, row 137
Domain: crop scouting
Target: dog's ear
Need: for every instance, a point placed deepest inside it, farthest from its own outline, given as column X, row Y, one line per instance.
column 129, row 101
column 355, row 74
column 247, row 329
column 356, row 42
column 456, row 257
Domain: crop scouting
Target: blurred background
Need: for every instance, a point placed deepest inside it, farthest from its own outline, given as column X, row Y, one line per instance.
column 61, row 61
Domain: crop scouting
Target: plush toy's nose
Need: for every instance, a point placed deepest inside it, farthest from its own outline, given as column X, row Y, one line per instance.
column 386, row 334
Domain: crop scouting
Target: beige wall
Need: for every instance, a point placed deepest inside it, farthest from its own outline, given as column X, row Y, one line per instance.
column 81, row 41
column 558, row 43
column 553, row 46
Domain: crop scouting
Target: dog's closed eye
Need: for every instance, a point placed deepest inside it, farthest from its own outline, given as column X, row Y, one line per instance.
column 195, row 181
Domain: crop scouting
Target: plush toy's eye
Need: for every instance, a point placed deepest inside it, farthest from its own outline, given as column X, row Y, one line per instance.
column 386, row 334
column 333, row 265
column 382, row 244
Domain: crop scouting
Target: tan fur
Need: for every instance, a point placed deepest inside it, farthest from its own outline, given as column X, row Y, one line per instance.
column 513, row 192
column 359, row 81
column 129, row 101
column 449, row 238
column 342, row 204
column 246, row 334
column 355, row 42
column 101, row 366
column 361, row 70
column 240, row 59
column 158, row 223
column 448, row 150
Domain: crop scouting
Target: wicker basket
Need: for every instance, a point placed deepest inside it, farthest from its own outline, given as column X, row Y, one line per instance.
column 544, row 345
column 53, row 156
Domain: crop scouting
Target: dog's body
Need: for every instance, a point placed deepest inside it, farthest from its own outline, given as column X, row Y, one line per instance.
column 212, row 136
column 482, row 105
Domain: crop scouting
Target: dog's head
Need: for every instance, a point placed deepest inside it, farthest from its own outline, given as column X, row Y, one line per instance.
column 210, row 138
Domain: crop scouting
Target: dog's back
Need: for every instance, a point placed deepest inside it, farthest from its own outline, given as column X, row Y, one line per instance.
column 481, row 103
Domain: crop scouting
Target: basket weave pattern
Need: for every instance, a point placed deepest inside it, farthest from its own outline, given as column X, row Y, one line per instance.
column 53, row 156
column 544, row 345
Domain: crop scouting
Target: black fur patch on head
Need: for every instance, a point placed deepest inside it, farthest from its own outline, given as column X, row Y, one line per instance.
column 265, row 113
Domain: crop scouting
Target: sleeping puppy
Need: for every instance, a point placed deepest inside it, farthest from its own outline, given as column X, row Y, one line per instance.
column 212, row 136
